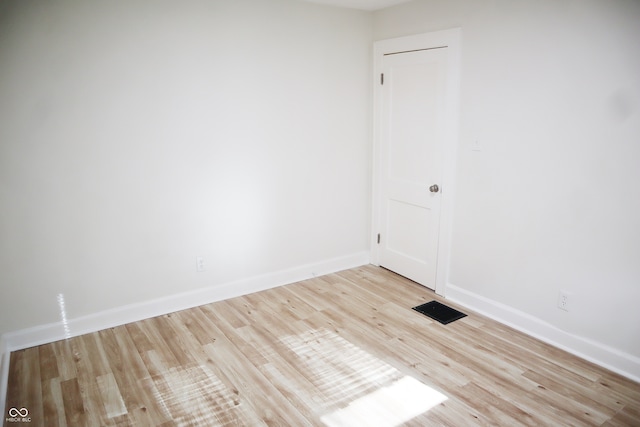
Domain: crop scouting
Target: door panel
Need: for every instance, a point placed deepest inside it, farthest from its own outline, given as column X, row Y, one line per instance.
column 402, row 240
column 412, row 146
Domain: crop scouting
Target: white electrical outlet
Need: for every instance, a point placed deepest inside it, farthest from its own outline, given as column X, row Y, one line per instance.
column 563, row 301
column 199, row 264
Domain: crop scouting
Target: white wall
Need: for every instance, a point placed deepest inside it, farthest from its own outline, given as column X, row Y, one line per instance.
column 551, row 90
column 136, row 135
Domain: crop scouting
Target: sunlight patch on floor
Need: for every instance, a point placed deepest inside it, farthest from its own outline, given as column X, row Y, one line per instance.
column 196, row 396
column 388, row 406
column 339, row 370
column 358, row 388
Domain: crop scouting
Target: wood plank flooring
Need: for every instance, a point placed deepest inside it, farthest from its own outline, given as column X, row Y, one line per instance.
column 342, row 349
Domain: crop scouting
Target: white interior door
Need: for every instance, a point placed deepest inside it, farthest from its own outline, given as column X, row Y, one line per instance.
column 412, row 123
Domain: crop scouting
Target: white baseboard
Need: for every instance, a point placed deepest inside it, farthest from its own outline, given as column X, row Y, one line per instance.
column 44, row 334
column 608, row 357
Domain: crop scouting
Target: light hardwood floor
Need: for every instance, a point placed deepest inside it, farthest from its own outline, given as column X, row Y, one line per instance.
column 343, row 349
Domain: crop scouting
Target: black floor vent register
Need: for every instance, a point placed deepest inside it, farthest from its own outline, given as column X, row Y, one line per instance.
column 440, row 312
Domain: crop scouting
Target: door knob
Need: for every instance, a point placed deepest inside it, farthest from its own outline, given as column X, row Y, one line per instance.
column 434, row 188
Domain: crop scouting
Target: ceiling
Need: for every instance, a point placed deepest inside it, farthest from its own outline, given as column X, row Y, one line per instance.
column 361, row 4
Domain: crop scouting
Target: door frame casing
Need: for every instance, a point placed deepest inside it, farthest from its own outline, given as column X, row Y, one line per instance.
column 450, row 39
